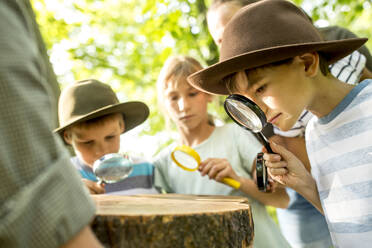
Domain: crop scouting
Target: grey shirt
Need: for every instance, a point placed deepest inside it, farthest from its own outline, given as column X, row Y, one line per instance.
column 42, row 200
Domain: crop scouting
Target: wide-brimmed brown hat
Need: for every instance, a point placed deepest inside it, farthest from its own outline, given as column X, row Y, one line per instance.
column 265, row 32
column 88, row 99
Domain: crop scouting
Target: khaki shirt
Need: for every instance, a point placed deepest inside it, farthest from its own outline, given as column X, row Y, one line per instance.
column 43, row 202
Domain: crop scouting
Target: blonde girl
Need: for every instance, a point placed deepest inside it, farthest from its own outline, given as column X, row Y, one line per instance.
column 226, row 151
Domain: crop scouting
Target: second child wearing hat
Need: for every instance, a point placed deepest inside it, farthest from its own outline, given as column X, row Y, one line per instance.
column 272, row 54
column 91, row 121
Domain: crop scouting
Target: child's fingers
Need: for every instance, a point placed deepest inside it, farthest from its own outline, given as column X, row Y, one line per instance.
column 279, row 179
column 217, row 167
column 95, row 189
column 205, row 166
column 280, row 164
column 99, row 188
column 273, row 185
column 225, row 172
column 91, row 186
column 274, row 173
column 270, row 188
column 205, row 169
column 272, row 157
column 277, row 171
column 283, row 152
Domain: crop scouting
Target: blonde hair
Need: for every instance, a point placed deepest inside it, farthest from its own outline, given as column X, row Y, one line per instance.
column 175, row 68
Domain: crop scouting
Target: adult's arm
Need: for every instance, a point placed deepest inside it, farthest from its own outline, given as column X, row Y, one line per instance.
column 42, row 200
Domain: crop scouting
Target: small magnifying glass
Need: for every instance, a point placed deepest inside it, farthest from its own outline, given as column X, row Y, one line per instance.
column 112, row 168
column 248, row 115
column 188, row 159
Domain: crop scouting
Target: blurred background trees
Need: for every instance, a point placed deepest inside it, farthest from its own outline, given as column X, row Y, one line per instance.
column 125, row 42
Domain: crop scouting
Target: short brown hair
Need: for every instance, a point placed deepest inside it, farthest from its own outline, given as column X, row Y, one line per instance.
column 230, row 80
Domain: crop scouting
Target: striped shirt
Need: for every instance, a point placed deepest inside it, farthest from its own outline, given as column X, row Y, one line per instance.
column 139, row 181
column 348, row 69
column 340, row 151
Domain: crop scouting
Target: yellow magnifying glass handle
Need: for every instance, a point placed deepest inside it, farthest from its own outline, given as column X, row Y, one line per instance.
column 231, row 182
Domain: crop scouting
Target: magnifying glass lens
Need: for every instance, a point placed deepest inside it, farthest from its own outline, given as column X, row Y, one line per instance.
column 245, row 112
column 185, row 159
column 249, row 115
column 112, row 168
column 244, row 115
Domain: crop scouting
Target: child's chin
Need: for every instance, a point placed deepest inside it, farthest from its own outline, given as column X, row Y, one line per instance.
column 285, row 127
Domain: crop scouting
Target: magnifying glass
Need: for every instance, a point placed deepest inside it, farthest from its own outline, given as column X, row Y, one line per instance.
column 248, row 115
column 188, row 159
column 112, row 168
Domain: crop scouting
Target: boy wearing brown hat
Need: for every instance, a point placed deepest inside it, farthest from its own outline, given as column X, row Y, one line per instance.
column 91, row 121
column 300, row 222
column 272, row 54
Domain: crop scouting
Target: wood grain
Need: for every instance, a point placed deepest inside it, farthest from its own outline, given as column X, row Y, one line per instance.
column 173, row 220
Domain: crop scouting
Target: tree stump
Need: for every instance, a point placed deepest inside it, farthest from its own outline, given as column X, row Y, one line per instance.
column 174, row 221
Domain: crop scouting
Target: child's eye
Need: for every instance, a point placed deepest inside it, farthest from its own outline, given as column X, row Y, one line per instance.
column 110, row 137
column 261, row 89
column 90, row 142
column 174, row 98
column 193, row 93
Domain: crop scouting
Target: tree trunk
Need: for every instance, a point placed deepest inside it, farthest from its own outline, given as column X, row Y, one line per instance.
column 173, row 221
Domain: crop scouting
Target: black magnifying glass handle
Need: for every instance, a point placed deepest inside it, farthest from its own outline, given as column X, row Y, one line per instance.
column 265, row 142
column 261, row 170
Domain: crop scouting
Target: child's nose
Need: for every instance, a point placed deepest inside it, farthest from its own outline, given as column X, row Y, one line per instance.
column 101, row 150
column 182, row 104
column 261, row 104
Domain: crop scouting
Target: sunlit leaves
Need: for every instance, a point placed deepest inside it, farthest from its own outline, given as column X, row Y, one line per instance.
column 125, row 42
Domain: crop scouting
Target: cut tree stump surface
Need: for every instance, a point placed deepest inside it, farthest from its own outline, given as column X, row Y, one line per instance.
column 173, row 220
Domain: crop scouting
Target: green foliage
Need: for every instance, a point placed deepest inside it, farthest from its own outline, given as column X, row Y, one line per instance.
column 355, row 15
column 124, row 43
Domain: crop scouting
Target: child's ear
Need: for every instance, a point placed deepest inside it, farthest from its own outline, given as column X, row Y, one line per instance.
column 311, row 63
column 67, row 136
column 210, row 98
column 122, row 125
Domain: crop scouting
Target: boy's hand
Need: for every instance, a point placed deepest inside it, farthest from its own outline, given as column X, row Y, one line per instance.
column 217, row 169
column 272, row 184
column 286, row 168
column 94, row 188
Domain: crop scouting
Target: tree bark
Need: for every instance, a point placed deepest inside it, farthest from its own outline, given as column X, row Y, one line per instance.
column 173, row 221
